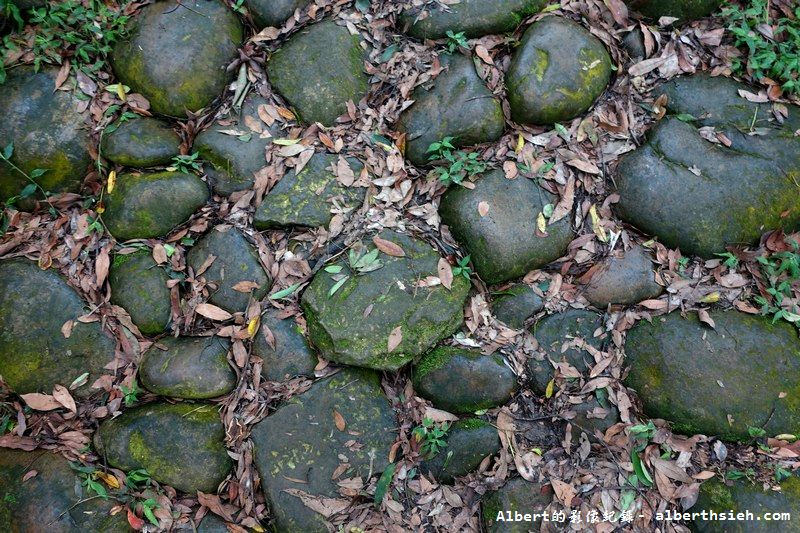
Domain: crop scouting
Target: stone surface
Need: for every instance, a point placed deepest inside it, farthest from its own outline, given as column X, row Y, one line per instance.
column 516, row 304
column 553, row 332
column 699, row 196
column 290, row 356
column 193, row 368
column 318, row 70
column 458, row 105
column 633, row 43
column 503, row 244
column 232, row 160
column 144, row 206
column 47, row 132
column 474, row 17
column 463, row 381
column 181, row 445
column 343, row 328
column 176, row 54
column 516, row 495
column 306, row 199
column 591, row 418
column 625, row 278
column 273, row 12
column 741, row 368
column 557, row 72
column 53, row 500
column 236, row 261
column 211, row 523
column 742, row 496
column 34, row 354
column 139, row 286
column 469, row 442
column 140, row 143
column 297, row 447
column 682, row 9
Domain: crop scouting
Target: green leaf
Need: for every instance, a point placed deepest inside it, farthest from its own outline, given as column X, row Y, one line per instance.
column 333, row 269
column 28, row 190
column 641, row 472
column 8, row 151
column 383, row 484
column 338, row 285
column 285, row 292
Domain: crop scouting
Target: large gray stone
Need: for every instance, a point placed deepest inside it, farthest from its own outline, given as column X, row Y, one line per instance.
column 140, row 143
column 626, row 278
column 516, row 304
column 139, row 286
column 682, row 9
column 473, row 17
column 517, row 495
column 290, row 356
column 273, row 12
column 469, row 442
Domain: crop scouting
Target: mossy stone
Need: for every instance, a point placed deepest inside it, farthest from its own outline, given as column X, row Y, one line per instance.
column 273, row 12
column 469, row 442
column 53, row 500
column 552, row 332
column 34, row 354
column 306, row 199
column 475, row 18
column 624, row 278
column 236, row 261
column 463, row 381
column 299, row 446
column 352, row 325
column 591, row 418
column 557, row 72
column 684, row 10
column 291, row 355
column 192, row 368
column 47, row 130
column 517, row 495
column 503, row 244
column 699, row 196
column 318, row 70
column 141, row 143
column 139, row 286
column 145, row 206
column 742, row 496
column 176, row 54
column 741, row 369
column 516, row 304
column 211, row 523
column 458, row 105
column 181, row 445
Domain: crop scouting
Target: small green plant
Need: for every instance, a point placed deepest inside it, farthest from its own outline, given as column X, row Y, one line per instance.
column 136, row 479
column 782, row 474
column 87, row 475
column 781, row 271
column 733, row 475
column 8, row 418
column 460, row 164
column 642, row 434
column 239, row 7
column 456, row 41
column 9, row 11
column 130, row 394
column 756, row 432
column 731, row 261
column 431, row 436
column 186, row 163
column 462, row 268
column 148, row 506
column 361, row 262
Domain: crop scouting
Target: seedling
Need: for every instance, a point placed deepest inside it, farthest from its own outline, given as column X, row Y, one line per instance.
column 432, row 436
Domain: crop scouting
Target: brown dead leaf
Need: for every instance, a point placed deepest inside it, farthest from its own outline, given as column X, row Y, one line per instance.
column 395, row 338
column 40, row 402
column 338, row 420
column 246, row 286
column 388, row 247
column 483, row 53
column 564, row 491
column 483, row 208
column 63, row 397
column 213, row 312
column 445, row 273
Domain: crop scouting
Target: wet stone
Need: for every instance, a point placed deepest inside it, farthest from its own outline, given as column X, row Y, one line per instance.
column 516, row 304
column 176, row 54
column 318, row 70
column 193, row 368
column 144, row 206
column 352, row 326
column 297, row 447
column 139, row 286
column 211, row 523
column 503, row 244
column 625, row 278
column 140, row 143
column 473, row 17
column 744, row 365
column 469, row 442
column 306, row 199
column 557, row 73
column 458, row 105
column 516, row 495
column 684, row 10
column 592, row 418
column 181, row 445
column 236, row 261
column 463, row 381
column 273, row 12
column 34, row 354
column 290, row 355
column 633, row 43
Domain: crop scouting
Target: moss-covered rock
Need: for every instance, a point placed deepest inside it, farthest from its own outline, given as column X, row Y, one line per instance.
column 306, row 199
column 236, row 261
column 741, row 497
column 318, row 70
column 139, row 286
column 53, row 500
column 682, row 9
column 47, row 131
column 747, row 372
column 624, row 278
column 516, row 304
column 469, row 442
column 140, row 143
column 290, row 355
column 553, row 332
column 458, row 105
column 211, row 523
column 591, row 418
column 299, row 446
column 503, row 244
column 193, row 368
column 181, row 445
column 557, row 73
column 34, row 353
column 517, row 495
column 144, row 206
column 699, row 196
column 352, row 326
column 463, row 381
column 231, row 161
column 273, row 12
column 474, row 17
column 177, row 52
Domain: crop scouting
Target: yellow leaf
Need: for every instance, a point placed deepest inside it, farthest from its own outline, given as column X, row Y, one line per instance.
column 112, row 181
column 252, row 326
column 520, row 144
column 596, row 227
column 548, row 392
column 121, row 91
column 541, row 223
column 710, row 298
column 109, row 480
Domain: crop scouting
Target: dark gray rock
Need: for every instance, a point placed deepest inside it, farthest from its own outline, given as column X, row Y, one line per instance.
column 516, row 304
column 473, row 17
column 684, row 10
column 516, row 495
column 273, row 12
column 469, row 442
column 592, row 418
column 139, row 286
column 140, row 143
column 211, row 523
column 633, row 43
column 624, row 278
column 291, row 355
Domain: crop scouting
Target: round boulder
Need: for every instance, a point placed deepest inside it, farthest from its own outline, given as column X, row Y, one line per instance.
column 273, row 12
column 284, row 349
column 624, row 278
column 139, row 286
column 469, row 442
column 682, row 9
column 475, row 18
column 519, row 496
column 140, row 143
